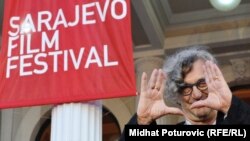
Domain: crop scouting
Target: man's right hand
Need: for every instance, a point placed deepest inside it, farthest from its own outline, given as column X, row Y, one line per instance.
column 151, row 103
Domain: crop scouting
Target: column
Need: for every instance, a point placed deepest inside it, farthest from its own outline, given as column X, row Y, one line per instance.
column 77, row 122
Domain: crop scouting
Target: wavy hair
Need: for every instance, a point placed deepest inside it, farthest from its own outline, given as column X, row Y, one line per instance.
column 178, row 65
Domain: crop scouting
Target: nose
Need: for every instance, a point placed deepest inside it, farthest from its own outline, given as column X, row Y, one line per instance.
column 196, row 94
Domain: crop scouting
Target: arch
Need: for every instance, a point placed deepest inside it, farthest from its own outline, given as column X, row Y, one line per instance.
column 34, row 117
column 27, row 132
column 110, row 127
column 42, row 125
column 122, row 117
column 44, row 131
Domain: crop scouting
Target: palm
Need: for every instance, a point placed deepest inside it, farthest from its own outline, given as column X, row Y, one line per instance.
column 151, row 104
column 219, row 96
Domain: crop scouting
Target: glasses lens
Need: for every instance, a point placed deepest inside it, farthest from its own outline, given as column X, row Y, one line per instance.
column 202, row 85
column 186, row 90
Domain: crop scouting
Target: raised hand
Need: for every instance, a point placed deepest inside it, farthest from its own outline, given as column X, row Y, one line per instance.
column 151, row 104
column 219, row 94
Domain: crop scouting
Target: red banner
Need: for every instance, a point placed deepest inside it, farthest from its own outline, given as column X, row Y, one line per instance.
column 65, row 51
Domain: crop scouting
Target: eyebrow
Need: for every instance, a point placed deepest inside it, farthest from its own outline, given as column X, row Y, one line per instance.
column 188, row 84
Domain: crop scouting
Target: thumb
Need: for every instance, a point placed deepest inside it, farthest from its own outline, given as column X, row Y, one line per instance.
column 198, row 104
column 173, row 110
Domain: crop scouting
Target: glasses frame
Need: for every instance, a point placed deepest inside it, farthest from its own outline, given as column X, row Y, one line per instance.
column 182, row 86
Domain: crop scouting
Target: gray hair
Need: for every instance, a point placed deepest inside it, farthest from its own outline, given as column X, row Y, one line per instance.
column 178, row 65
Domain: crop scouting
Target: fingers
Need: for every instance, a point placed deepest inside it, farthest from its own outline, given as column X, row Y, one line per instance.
column 212, row 72
column 156, row 80
column 155, row 84
column 208, row 71
column 162, row 89
column 153, row 79
column 217, row 71
column 160, row 82
column 144, row 82
column 212, row 75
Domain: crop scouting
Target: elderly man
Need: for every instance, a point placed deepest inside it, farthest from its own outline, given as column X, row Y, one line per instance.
column 192, row 80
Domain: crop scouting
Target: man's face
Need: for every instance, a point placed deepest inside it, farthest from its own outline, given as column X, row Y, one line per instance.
column 197, row 92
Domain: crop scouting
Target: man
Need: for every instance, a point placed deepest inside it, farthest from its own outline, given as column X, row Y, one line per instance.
column 192, row 80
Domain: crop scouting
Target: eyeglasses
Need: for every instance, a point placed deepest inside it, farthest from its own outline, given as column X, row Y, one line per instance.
column 187, row 89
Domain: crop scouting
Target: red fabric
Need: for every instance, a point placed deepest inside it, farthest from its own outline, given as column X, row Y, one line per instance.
column 73, row 51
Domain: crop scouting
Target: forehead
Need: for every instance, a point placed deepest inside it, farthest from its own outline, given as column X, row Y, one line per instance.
column 196, row 72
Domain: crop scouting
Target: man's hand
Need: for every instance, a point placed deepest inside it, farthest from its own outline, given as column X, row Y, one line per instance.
column 151, row 104
column 219, row 94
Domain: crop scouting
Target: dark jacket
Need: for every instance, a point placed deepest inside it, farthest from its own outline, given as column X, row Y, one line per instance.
column 239, row 113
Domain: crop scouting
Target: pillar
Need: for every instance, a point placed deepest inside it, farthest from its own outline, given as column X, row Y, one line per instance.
column 77, row 122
